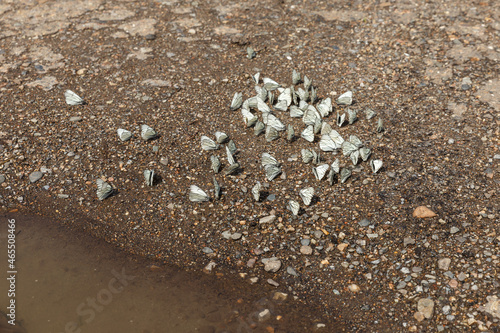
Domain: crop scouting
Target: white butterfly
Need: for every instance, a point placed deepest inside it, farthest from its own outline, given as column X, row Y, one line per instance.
column 320, row 171
column 355, row 157
column 303, row 94
column 303, row 105
column 307, row 155
column 248, row 117
column 348, row 148
column 216, row 189
column 290, row 132
column 270, row 85
column 325, row 128
column 208, row 144
column 104, row 190
column 325, row 107
column 356, row 141
column 294, row 207
column 376, row 165
column 252, row 102
column 261, row 93
column 307, row 194
column 353, row 116
column 147, row 133
column 196, row 194
column 270, row 97
column 340, row 119
column 345, row 98
column 232, row 147
column 221, row 137
column 271, row 120
column 72, row 98
column 313, row 97
column 237, row 101
column 230, row 157
column 307, row 82
column 317, row 125
column 370, row 114
column 336, row 138
column 327, row 144
column 295, row 112
column 271, row 134
column 311, row 115
column 262, row 106
column 256, row 191
column 267, row 159
column 286, row 96
column 380, row 125
column 295, row 77
column 259, row 128
column 272, row 171
column 123, row 134
column 281, row 106
column 331, row 177
column 215, row 163
column 308, row 133
column 345, row 173
column 365, row 153
column 256, row 77
column 336, row 165
column 149, row 176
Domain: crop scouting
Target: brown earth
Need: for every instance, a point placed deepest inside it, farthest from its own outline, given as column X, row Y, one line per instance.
column 429, row 69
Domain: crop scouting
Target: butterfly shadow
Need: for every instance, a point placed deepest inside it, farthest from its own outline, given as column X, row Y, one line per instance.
column 157, row 179
column 314, row 200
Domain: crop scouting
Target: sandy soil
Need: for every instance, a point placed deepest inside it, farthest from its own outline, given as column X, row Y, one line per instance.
column 428, row 69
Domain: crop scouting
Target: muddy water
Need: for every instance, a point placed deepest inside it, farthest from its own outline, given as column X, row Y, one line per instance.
column 67, row 281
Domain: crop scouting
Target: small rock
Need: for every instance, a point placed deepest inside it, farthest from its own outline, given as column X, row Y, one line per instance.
column 207, row 250
column 226, row 234
column 305, row 241
column 426, row 307
column 364, row 223
column 453, row 283
column 306, row 250
column 408, row 241
column 318, row 234
column 208, row 268
column 2, row 179
column 236, row 236
column 279, row 296
column 267, row 219
column 164, row 160
column 251, row 262
column 291, row 271
column 254, row 280
column 341, row 247
column 271, row 197
column 264, row 315
column 62, row 196
column 444, row 263
column 354, row 288
column 273, row 283
column 446, row 309
column 418, row 316
column 75, row 119
column 34, row 176
column 271, row 264
column 461, row 276
column 454, row 230
column 423, row 212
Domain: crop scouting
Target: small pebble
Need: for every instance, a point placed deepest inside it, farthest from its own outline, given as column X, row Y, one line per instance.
column 34, row 176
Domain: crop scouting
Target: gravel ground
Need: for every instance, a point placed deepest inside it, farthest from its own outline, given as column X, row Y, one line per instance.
column 360, row 251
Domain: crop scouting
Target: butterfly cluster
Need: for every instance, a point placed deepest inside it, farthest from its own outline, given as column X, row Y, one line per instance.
column 300, row 100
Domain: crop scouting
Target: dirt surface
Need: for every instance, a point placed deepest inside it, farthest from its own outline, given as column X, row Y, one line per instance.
column 428, row 69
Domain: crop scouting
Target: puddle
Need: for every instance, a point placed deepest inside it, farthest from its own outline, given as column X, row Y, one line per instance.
column 67, row 281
